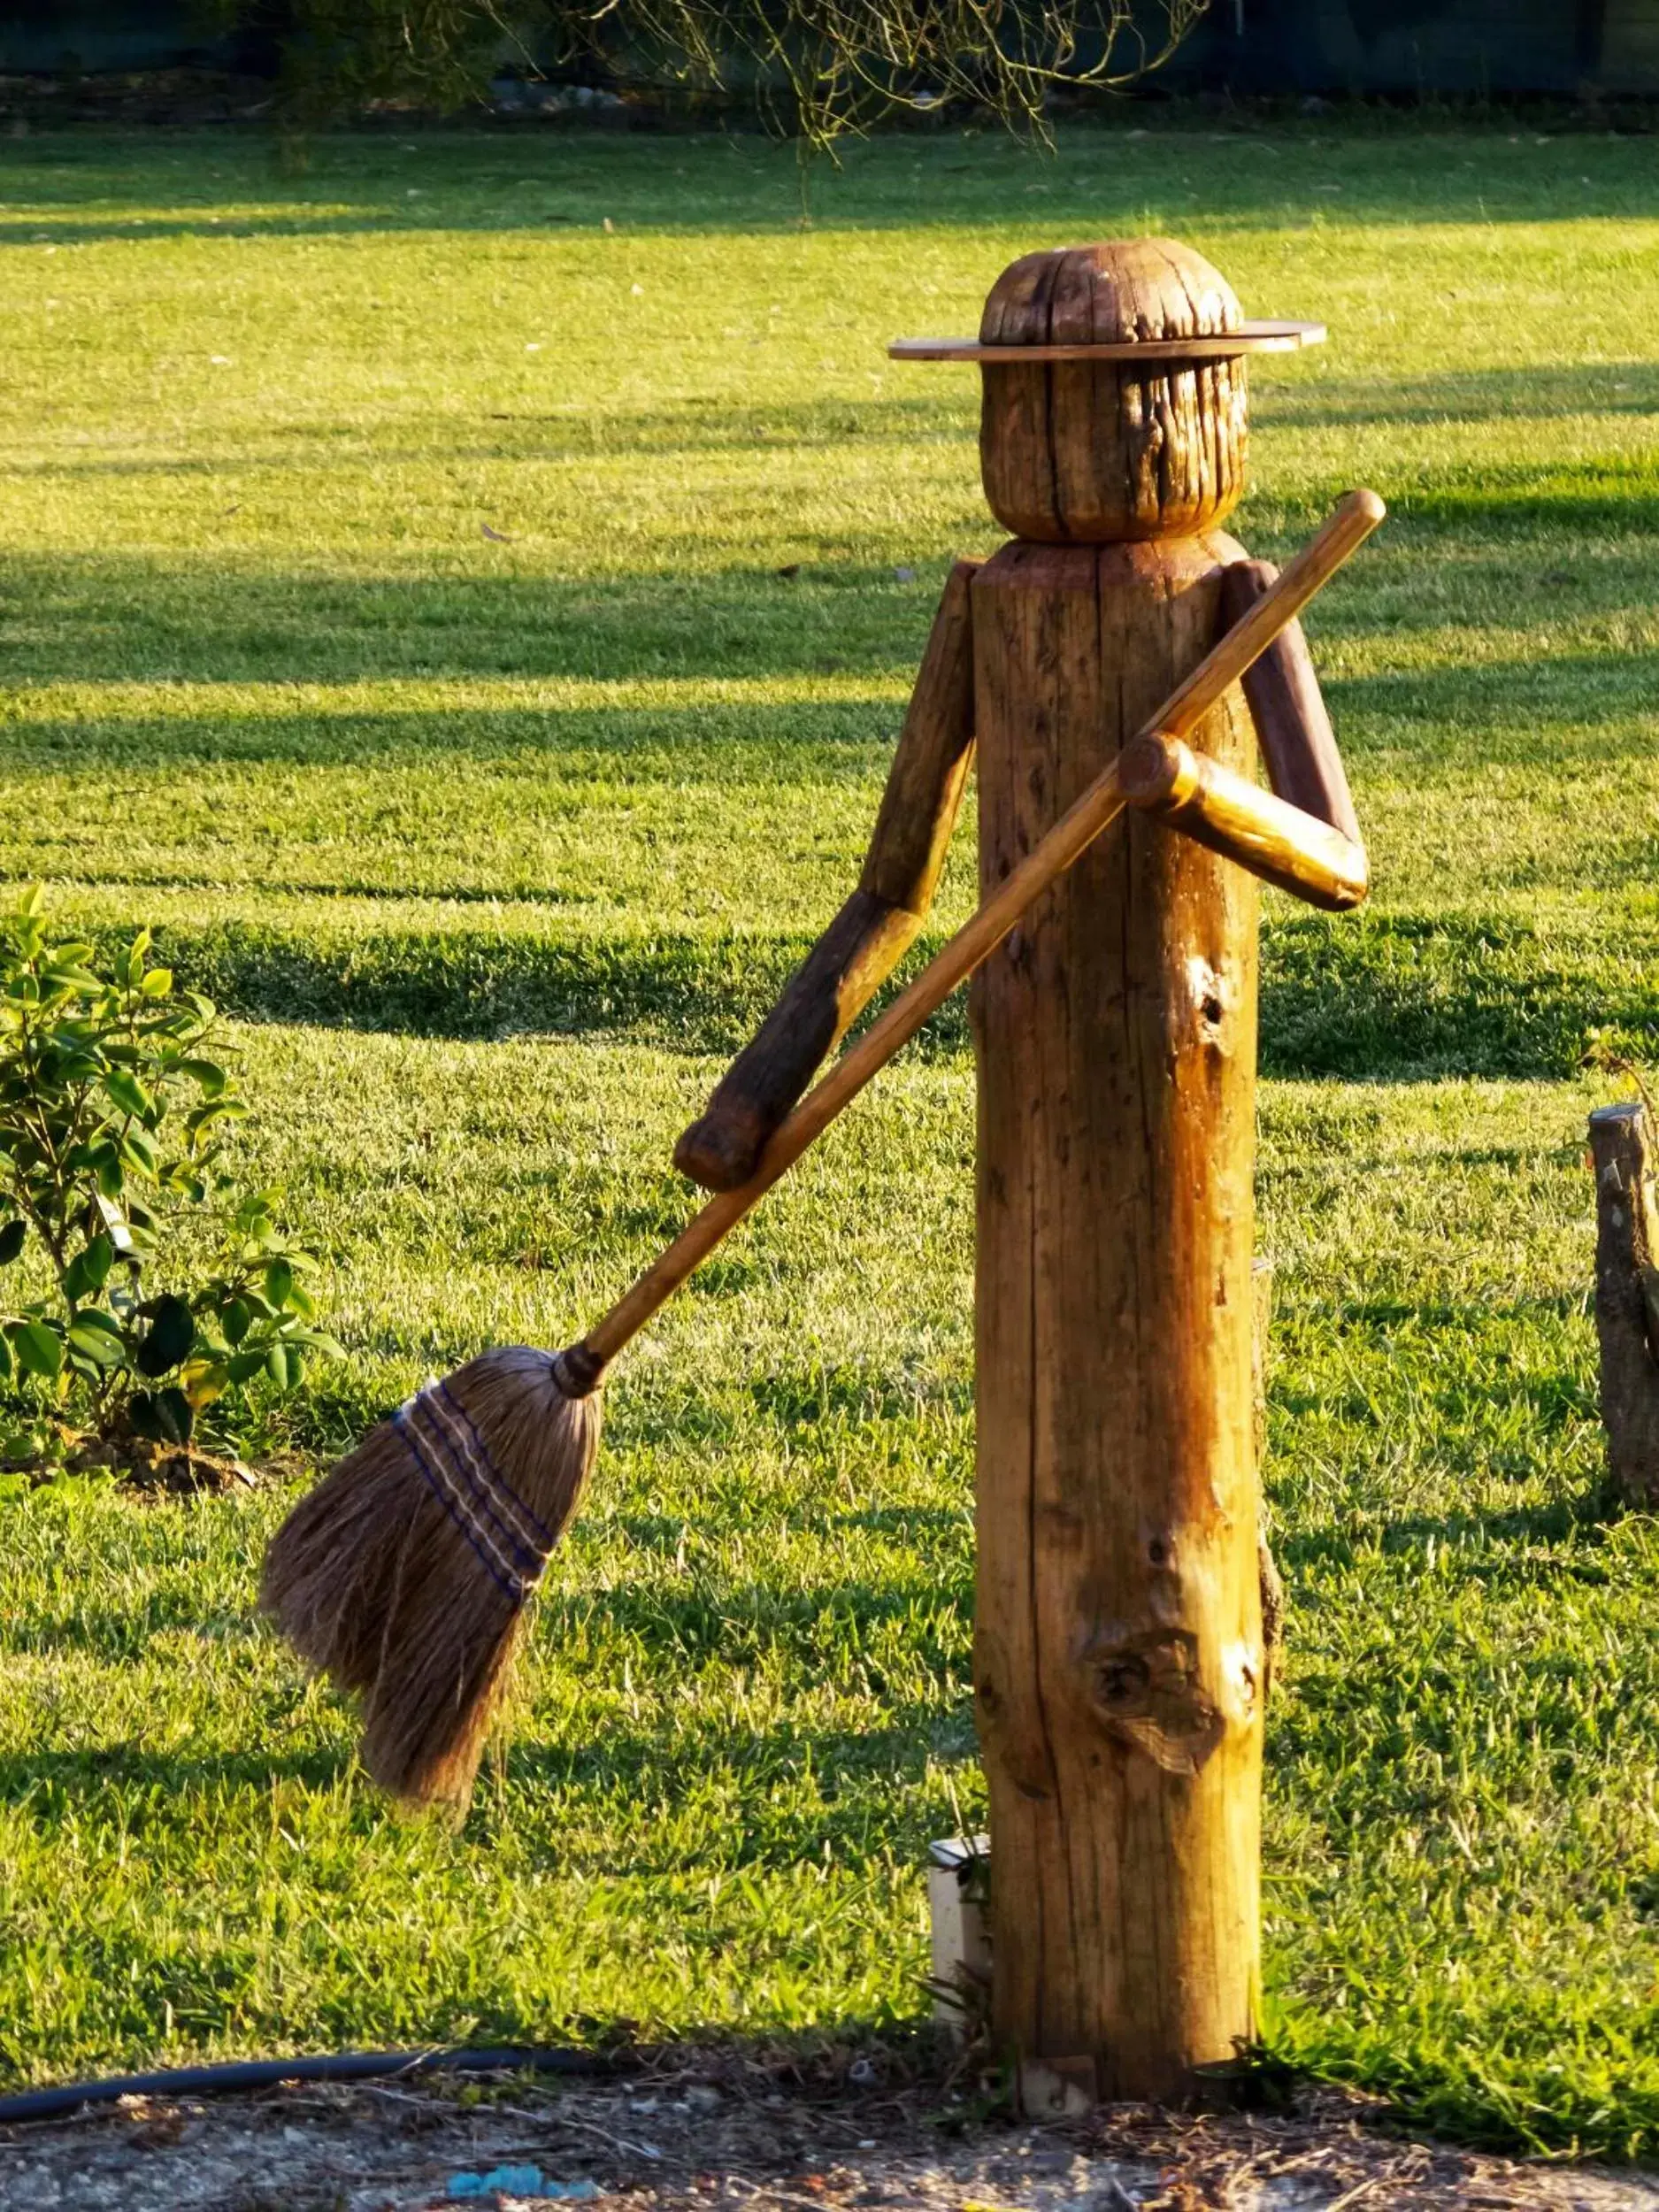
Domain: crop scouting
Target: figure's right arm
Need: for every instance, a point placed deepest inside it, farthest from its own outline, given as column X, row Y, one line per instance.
column 872, row 932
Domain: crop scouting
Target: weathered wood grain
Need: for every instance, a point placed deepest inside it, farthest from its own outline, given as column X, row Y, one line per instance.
column 1079, row 451
column 1279, row 843
column 1203, row 688
column 1119, row 1671
column 1293, row 726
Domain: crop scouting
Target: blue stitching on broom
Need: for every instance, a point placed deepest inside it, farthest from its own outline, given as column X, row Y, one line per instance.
column 507, row 1490
column 413, row 1445
column 523, row 1556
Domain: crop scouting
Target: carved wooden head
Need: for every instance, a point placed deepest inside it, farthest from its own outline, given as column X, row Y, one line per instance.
column 1102, row 451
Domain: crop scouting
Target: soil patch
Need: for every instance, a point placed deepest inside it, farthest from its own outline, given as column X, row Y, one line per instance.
column 141, row 1465
column 716, row 2131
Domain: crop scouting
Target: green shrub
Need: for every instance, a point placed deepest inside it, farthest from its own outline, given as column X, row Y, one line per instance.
column 111, row 1117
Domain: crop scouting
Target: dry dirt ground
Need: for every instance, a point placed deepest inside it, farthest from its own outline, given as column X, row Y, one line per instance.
column 724, row 2133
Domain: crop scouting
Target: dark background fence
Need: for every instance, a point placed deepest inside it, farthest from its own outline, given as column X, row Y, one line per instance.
column 1425, row 48
column 1368, row 48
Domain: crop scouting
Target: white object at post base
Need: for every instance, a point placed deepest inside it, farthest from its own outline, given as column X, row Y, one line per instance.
column 960, row 1940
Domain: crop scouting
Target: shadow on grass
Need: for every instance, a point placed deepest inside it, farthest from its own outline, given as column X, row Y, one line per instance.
column 1585, row 711
column 734, row 423
column 1591, row 712
column 1544, row 1544
column 106, row 1631
column 697, row 1620
column 663, row 1534
column 855, row 1782
column 1415, row 997
column 58, row 1784
column 720, row 744
column 772, row 1797
column 489, row 179
column 850, row 1781
column 851, row 1397
column 1565, row 499
column 133, row 620
column 730, row 422
column 456, row 606
column 1601, row 387
column 726, row 423
column 1401, row 997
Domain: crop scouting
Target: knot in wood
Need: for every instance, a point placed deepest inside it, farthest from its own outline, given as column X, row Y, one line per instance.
column 1146, row 1690
column 1106, row 452
column 1207, row 996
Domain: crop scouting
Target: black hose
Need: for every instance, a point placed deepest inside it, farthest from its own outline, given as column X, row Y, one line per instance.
column 264, row 2073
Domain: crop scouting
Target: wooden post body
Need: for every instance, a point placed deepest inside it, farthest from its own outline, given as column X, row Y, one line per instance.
column 1120, row 1673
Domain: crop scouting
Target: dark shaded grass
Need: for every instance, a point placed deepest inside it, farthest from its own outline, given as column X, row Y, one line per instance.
column 503, row 181
column 102, row 617
column 1389, row 997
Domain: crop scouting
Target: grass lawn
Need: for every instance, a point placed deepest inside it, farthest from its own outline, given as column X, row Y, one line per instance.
column 494, row 843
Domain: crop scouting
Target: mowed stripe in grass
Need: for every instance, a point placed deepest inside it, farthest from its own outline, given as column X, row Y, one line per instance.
column 533, row 822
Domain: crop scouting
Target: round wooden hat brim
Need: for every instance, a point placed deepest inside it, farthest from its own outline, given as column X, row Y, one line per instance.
column 1250, row 337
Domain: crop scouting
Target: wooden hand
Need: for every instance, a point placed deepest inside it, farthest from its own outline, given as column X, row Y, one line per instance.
column 870, row 935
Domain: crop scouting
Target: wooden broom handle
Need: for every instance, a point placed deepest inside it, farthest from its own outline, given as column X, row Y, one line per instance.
column 582, row 1366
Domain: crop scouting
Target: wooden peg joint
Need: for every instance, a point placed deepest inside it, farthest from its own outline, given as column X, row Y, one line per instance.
column 1224, row 810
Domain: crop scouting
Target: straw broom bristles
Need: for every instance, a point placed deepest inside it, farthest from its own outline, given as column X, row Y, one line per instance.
column 404, row 1573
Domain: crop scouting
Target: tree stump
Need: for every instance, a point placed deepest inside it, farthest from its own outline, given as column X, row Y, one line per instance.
column 1627, row 1296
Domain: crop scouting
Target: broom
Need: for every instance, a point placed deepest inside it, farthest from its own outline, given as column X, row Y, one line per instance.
column 405, row 1572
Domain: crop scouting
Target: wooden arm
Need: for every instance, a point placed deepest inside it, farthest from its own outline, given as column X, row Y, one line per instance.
column 1281, row 843
column 874, row 930
column 1292, row 725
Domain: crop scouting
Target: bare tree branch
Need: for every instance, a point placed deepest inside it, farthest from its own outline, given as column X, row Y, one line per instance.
column 813, row 68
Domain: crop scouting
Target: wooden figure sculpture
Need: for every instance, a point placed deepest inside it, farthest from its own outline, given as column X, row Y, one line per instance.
column 1118, row 1668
